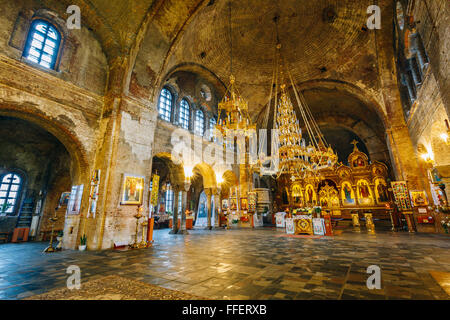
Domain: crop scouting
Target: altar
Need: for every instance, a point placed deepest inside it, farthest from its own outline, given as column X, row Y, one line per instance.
column 342, row 190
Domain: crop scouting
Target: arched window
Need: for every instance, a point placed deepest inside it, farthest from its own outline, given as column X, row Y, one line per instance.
column 165, row 104
column 184, row 114
column 9, row 192
column 199, row 123
column 180, row 201
column 169, row 198
column 43, row 43
column 212, row 125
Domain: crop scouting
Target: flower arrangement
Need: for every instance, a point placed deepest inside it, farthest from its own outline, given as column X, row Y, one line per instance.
column 244, row 219
column 444, row 209
column 445, row 224
column 83, row 240
column 234, row 221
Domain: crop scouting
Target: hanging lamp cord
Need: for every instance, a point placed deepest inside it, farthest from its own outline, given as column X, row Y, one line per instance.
column 231, row 38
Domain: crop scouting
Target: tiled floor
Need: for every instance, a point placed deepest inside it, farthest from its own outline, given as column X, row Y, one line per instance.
column 246, row 264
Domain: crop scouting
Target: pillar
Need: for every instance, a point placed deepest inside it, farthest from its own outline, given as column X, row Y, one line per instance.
column 217, row 208
column 403, row 156
column 208, row 193
column 184, row 206
column 175, row 211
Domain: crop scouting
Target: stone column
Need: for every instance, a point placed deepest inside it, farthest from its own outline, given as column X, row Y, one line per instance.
column 175, row 211
column 217, row 206
column 208, row 193
column 183, row 229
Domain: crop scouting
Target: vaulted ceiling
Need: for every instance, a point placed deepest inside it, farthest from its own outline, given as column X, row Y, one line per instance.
column 320, row 39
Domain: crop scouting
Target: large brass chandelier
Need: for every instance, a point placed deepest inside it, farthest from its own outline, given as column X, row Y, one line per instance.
column 233, row 111
column 302, row 154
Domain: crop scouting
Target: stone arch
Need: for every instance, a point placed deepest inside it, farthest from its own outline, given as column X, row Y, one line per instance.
column 366, row 96
column 176, row 171
column 376, row 145
column 229, row 180
column 200, row 70
column 69, row 139
column 207, row 173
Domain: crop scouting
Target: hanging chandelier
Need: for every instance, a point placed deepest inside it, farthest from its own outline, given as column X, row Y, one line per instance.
column 233, row 109
column 302, row 154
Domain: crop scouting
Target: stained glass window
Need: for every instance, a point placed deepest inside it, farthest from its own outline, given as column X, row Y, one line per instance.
column 42, row 44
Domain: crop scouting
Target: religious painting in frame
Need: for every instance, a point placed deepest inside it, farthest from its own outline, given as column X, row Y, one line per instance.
column 419, row 198
column 364, row 193
column 244, row 204
column 381, row 191
column 76, row 195
column 310, row 194
column 348, row 195
column 224, row 204
column 64, row 200
column 133, row 189
column 94, row 193
column 233, row 204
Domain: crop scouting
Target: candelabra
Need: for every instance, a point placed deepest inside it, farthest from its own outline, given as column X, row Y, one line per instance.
column 50, row 247
column 143, row 243
column 138, row 216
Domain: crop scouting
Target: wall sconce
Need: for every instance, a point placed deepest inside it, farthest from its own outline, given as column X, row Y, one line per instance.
column 188, row 177
column 427, row 158
column 445, row 135
column 219, row 178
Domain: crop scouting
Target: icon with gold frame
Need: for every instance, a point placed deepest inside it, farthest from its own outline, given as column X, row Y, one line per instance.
column 133, row 189
column 419, row 198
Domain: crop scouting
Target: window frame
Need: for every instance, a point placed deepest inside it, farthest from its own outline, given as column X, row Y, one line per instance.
column 196, row 122
column 17, row 199
column 172, row 99
column 58, row 47
column 169, row 199
column 181, row 120
column 212, row 127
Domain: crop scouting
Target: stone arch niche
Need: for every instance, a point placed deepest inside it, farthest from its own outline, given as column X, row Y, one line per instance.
column 346, row 111
column 53, row 162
